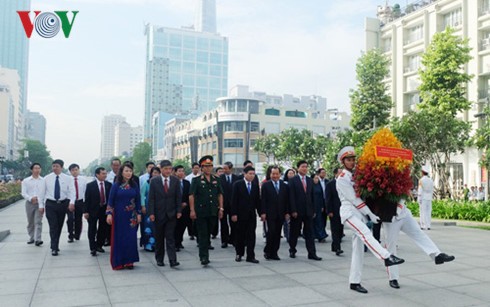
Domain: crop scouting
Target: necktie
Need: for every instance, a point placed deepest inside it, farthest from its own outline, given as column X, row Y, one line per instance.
column 229, row 178
column 102, row 194
column 76, row 187
column 276, row 185
column 181, row 187
column 304, row 182
column 57, row 189
column 248, row 187
column 165, row 185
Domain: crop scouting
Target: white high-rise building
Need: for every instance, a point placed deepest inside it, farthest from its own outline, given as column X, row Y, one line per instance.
column 403, row 34
column 35, row 126
column 126, row 138
column 107, row 142
column 205, row 20
column 11, row 116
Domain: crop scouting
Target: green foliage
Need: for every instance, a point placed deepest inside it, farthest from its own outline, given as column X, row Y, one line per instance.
column 369, row 102
column 9, row 191
column 90, row 169
column 457, row 210
column 186, row 163
column 482, row 138
column 37, row 153
column 141, row 155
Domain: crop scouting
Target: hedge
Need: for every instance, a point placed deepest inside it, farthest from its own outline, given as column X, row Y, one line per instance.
column 457, row 210
column 9, row 193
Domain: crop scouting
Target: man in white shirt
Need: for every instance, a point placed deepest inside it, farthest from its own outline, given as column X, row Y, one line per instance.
column 481, row 194
column 195, row 172
column 115, row 165
column 74, row 219
column 58, row 198
column 33, row 193
column 426, row 190
column 144, row 178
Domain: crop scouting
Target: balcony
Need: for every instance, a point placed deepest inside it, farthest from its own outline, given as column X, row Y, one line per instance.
column 483, row 94
column 485, row 44
column 388, row 14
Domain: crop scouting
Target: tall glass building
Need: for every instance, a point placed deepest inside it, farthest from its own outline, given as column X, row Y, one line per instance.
column 14, row 44
column 186, row 70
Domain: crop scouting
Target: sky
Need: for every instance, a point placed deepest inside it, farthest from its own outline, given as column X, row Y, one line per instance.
column 276, row 46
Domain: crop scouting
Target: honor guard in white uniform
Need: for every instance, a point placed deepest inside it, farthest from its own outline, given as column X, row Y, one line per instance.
column 404, row 221
column 425, row 192
column 353, row 212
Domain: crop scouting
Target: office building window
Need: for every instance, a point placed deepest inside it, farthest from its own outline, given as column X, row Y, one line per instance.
column 272, row 112
column 254, row 127
column 253, row 107
column 233, row 126
column 242, row 105
column 295, row 113
column 233, row 143
column 453, row 19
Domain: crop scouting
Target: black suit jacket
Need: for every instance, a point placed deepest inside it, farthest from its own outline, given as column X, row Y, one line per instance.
column 332, row 199
column 274, row 205
column 243, row 204
column 164, row 205
column 227, row 189
column 92, row 197
column 185, row 191
column 299, row 200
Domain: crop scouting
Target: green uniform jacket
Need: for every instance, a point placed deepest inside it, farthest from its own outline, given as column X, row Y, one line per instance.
column 206, row 195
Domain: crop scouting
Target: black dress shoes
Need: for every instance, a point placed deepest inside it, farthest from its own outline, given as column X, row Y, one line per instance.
column 54, row 253
column 238, row 258
column 93, row 252
column 394, row 284
column 358, row 288
column 393, row 260
column 39, row 243
column 192, row 238
column 70, row 240
column 252, row 260
column 205, row 262
column 267, row 257
column 442, row 257
column 275, row 257
column 314, row 257
column 174, row 263
column 160, row 263
column 339, row 252
column 224, row 245
column 30, row 241
column 292, row 255
column 177, row 249
column 211, row 247
column 100, row 250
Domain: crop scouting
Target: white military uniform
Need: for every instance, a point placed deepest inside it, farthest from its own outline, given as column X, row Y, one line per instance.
column 426, row 189
column 352, row 213
column 404, row 221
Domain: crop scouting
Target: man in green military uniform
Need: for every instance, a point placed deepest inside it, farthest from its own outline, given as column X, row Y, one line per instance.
column 205, row 202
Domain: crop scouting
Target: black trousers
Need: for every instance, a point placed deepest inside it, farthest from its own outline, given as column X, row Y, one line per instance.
column 215, row 230
column 165, row 235
column 74, row 221
column 337, row 230
column 274, row 226
column 228, row 228
column 55, row 213
column 204, row 226
column 97, row 229
column 295, row 229
column 377, row 231
column 183, row 223
column 245, row 237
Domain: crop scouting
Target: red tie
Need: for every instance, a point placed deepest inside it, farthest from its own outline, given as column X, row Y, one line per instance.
column 102, row 194
column 304, row 182
column 76, row 187
column 165, row 185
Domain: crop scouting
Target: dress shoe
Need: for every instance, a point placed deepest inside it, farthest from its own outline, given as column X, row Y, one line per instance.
column 442, row 257
column 129, row 266
column 39, row 243
column 252, row 260
column 358, row 288
column 160, row 263
column 275, row 257
column 339, row 252
column 180, row 246
column 100, row 250
column 211, row 247
column 267, row 257
column 174, row 263
column 93, row 252
column 177, row 249
column 30, row 241
column 205, row 262
column 70, row 240
column 322, row 241
column 192, row 238
column 107, row 244
column 213, row 237
column 238, row 258
column 314, row 257
column 292, row 255
column 54, row 253
column 393, row 260
column 224, row 245
column 394, row 284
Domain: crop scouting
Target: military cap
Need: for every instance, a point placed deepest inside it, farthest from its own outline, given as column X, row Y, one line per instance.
column 206, row 160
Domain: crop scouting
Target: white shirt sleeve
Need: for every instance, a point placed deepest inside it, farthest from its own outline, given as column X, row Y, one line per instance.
column 345, row 188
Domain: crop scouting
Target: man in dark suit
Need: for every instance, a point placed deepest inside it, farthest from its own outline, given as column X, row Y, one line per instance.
column 164, row 208
column 185, row 220
column 302, row 211
column 245, row 202
column 245, row 164
column 94, row 210
column 227, row 225
column 333, row 211
column 274, row 209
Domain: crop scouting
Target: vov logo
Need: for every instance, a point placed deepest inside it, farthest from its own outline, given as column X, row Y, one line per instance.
column 47, row 24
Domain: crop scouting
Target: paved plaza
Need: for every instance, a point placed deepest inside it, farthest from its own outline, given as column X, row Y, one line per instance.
column 30, row 276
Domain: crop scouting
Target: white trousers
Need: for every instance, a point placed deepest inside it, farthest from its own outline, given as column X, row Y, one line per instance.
column 425, row 213
column 362, row 235
column 409, row 226
column 34, row 221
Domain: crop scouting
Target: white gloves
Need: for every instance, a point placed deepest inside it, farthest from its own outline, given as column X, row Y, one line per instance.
column 373, row 217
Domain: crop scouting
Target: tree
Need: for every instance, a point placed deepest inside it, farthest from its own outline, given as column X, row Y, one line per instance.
column 186, row 163
column 141, row 155
column 370, row 104
column 37, row 152
column 90, row 169
column 269, row 146
column 482, row 137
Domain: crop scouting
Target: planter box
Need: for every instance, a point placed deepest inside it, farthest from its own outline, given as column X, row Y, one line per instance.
column 6, row 202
